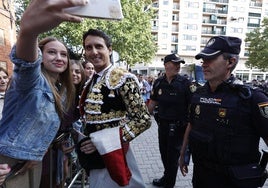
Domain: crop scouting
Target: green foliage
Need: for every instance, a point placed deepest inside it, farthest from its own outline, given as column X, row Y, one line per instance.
column 20, row 6
column 131, row 36
column 258, row 48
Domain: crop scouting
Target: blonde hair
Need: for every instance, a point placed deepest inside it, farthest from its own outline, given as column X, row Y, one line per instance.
column 66, row 90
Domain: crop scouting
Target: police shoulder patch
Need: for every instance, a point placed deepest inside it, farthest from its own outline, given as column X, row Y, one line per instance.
column 264, row 109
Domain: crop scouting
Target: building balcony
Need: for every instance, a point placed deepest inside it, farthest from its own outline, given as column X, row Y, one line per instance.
column 214, row 11
column 174, row 51
column 220, row 1
column 176, row 7
column 253, row 25
column 175, row 19
column 255, row 4
column 210, row 21
column 214, row 32
column 215, row 22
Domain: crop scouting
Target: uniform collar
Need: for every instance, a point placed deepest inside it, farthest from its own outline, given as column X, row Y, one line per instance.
column 223, row 85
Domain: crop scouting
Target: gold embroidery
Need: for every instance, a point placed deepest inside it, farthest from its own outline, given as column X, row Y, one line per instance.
column 134, row 119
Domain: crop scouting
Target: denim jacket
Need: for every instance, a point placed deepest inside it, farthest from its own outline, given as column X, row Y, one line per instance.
column 30, row 121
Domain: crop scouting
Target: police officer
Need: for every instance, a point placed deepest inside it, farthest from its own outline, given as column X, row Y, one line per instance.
column 227, row 120
column 171, row 93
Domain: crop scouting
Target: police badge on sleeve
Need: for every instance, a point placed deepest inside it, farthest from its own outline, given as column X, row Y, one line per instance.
column 264, row 109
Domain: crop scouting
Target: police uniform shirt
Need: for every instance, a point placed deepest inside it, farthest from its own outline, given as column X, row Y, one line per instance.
column 226, row 116
column 173, row 98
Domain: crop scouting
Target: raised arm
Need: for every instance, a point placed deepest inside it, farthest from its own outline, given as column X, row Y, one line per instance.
column 39, row 17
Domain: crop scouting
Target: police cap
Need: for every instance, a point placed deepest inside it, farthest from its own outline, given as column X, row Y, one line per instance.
column 218, row 45
column 173, row 58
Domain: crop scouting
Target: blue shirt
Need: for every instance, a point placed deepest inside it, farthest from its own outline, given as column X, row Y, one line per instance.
column 30, row 121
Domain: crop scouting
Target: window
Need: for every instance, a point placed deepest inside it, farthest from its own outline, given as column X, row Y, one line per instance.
column 190, row 37
column 190, row 27
column 165, row 2
column 163, row 46
column 189, row 4
column 254, row 20
column 175, row 17
column 164, row 35
column 254, row 14
column 250, row 30
column 154, row 25
column 257, row 76
column 155, row 37
column 164, row 25
column 165, row 13
column 174, row 38
column 213, row 17
column 237, row 30
column 238, row 9
column 240, row 19
column 190, row 15
column 242, row 76
column 188, row 48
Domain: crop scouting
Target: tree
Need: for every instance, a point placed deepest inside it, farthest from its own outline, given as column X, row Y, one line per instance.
column 131, row 37
column 258, row 47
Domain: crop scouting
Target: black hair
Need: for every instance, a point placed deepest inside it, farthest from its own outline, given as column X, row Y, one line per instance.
column 98, row 33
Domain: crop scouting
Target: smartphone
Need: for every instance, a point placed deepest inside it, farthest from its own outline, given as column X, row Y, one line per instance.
column 103, row 9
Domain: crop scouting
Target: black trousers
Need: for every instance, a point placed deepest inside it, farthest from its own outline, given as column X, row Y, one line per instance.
column 204, row 177
column 170, row 135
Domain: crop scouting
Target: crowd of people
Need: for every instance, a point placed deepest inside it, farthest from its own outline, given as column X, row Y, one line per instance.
column 56, row 108
column 260, row 83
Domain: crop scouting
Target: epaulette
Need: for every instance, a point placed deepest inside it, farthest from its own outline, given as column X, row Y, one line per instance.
column 116, row 77
column 257, row 89
column 244, row 91
column 158, row 81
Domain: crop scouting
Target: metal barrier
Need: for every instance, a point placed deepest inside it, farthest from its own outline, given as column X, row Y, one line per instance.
column 83, row 182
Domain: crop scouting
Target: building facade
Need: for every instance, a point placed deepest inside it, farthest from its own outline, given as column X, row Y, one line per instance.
column 185, row 26
column 7, row 33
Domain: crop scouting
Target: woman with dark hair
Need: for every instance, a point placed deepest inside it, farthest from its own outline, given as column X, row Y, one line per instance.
column 88, row 69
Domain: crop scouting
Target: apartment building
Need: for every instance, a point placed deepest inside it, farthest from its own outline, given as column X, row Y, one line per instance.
column 185, row 26
column 7, row 33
